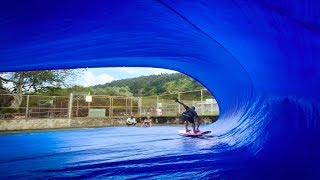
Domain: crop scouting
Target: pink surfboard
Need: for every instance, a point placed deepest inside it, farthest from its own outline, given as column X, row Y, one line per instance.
column 191, row 133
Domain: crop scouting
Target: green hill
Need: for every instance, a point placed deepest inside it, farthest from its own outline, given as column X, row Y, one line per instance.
column 155, row 84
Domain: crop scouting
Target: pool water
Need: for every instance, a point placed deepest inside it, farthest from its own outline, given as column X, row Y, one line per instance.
column 112, row 152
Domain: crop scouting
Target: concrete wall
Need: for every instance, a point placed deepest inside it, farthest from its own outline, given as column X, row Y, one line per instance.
column 27, row 124
column 33, row 124
column 36, row 124
column 97, row 122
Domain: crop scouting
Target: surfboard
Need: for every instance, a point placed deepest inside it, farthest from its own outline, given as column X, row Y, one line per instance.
column 191, row 133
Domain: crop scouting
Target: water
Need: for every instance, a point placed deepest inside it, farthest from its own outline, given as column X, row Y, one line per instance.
column 112, row 152
column 270, row 141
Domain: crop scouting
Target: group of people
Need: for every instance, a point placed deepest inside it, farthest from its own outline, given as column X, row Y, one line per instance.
column 189, row 115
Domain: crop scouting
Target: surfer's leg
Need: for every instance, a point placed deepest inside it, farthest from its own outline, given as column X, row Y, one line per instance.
column 186, row 125
column 193, row 127
column 198, row 124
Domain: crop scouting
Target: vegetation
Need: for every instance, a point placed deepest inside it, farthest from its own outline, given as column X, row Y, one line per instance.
column 59, row 91
column 32, row 82
column 155, row 84
column 113, row 91
column 110, row 91
column 50, row 91
column 54, row 84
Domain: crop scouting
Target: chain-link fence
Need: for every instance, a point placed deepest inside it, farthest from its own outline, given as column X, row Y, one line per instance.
column 86, row 105
column 34, row 106
column 164, row 105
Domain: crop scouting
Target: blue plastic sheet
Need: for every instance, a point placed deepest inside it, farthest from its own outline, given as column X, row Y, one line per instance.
column 260, row 59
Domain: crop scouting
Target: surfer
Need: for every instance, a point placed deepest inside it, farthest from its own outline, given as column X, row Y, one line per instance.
column 189, row 115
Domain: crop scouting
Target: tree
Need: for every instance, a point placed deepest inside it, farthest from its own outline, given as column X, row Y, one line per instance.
column 32, row 81
column 156, row 84
column 113, row 91
column 59, row 91
column 181, row 85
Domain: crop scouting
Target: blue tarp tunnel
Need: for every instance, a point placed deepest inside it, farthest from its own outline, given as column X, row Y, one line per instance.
column 260, row 59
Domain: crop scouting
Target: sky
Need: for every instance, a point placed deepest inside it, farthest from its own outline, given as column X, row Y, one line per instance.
column 94, row 76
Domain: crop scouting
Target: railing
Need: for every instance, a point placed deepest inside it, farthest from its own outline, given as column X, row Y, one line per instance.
column 85, row 105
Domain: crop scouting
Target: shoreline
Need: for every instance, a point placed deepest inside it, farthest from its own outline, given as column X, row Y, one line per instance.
column 39, row 125
column 75, row 128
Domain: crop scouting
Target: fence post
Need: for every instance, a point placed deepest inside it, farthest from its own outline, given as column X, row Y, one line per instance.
column 131, row 105
column 140, row 105
column 111, row 106
column 157, row 101
column 89, row 104
column 178, row 103
column 27, row 108
column 202, row 103
column 70, row 106
column 77, row 113
column 127, row 106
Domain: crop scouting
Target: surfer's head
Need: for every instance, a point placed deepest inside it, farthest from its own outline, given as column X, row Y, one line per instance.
column 192, row 107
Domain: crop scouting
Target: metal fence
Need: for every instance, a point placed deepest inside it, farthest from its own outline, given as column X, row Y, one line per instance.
column 86, row 105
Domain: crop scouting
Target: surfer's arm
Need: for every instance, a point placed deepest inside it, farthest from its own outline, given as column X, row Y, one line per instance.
column 176, row 100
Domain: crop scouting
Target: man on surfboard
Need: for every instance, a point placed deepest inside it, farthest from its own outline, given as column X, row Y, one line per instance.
column 189, row 116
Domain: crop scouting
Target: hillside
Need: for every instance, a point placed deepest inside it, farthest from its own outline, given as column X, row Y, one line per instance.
column 155, row 84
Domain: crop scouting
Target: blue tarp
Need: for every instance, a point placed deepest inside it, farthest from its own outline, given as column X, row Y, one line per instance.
column 260, row 59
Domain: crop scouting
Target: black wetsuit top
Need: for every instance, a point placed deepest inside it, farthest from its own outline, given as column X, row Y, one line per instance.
column 189, row 114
